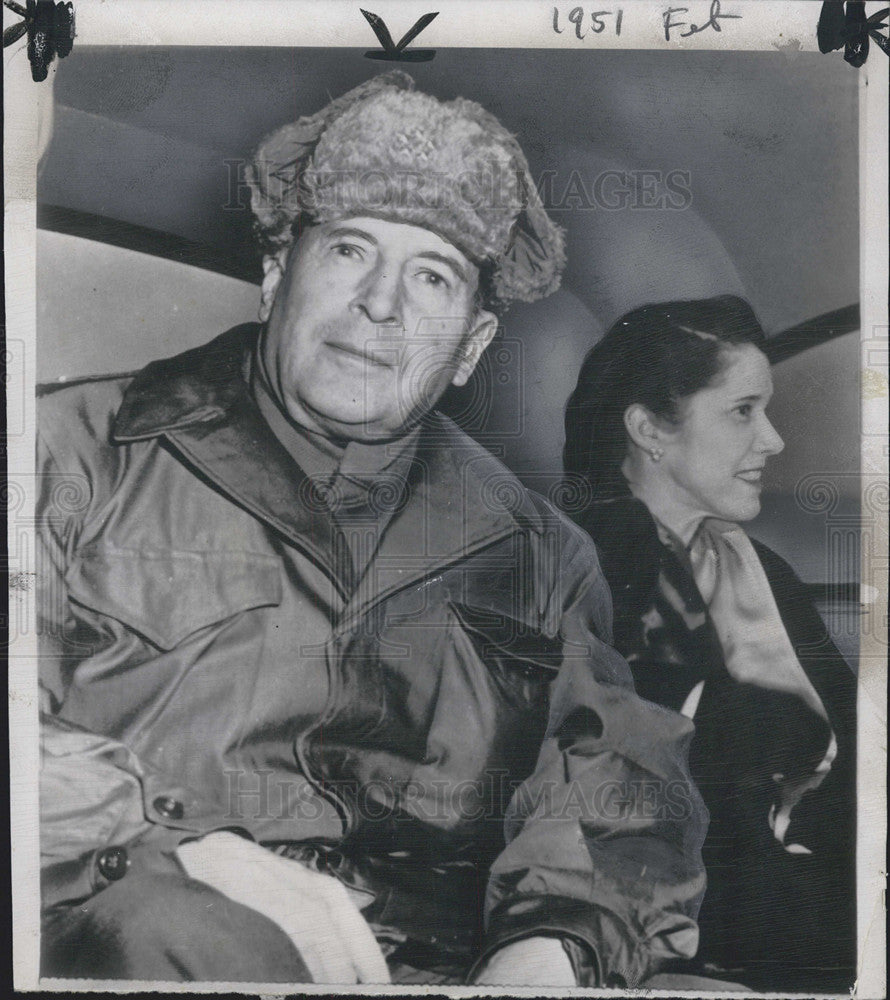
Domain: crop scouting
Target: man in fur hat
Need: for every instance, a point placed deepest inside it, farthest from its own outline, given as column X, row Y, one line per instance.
column 328, row 694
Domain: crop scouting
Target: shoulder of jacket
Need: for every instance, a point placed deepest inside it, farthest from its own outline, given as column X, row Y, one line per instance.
column 45, row 389
column 76, row 417
column 576, row 537
column 575, row 562
column 86, row 398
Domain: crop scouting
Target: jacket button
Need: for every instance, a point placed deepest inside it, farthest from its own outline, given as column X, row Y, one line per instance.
column 113, row 863
column 169, row 807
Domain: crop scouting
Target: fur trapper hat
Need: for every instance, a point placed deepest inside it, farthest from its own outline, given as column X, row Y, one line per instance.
column 388, row 151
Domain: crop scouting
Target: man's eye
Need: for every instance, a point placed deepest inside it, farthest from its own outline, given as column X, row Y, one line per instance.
column 433, row 279
column 744, row 410
column 348, row 250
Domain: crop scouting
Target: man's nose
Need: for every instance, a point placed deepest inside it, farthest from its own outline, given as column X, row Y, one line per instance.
column 769, row 440
column 379, row 296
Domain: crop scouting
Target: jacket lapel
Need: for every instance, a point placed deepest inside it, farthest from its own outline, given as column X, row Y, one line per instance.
column 460, row 499
column 200, row 403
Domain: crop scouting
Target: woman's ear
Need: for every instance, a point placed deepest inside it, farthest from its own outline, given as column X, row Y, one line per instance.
column 273, row 272
column 643, row 430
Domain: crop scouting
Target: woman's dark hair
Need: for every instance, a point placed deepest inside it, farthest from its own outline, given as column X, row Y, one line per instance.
column 656, row 356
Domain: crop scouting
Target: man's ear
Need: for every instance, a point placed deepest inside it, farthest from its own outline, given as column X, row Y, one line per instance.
column 643, row 428
column 484, row 327
column 273, row 272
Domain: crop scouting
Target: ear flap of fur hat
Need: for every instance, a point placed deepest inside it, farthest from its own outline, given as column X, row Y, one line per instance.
column 531, row 266
column 387, row 151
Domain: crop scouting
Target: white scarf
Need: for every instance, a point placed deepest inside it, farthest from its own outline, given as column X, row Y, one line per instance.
column 756, row 647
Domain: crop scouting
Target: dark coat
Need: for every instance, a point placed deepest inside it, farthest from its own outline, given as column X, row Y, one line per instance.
column 775, row 919
column 478, row 739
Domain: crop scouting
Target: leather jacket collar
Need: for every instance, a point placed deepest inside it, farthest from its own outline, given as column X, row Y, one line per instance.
column 460, row 498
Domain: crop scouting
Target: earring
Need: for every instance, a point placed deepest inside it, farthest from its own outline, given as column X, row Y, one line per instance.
column 655, row 454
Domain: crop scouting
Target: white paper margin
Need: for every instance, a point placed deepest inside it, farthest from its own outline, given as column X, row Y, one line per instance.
column 766, row 25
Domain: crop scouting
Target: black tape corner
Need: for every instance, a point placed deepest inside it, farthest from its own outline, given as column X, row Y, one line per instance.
column 49, row 26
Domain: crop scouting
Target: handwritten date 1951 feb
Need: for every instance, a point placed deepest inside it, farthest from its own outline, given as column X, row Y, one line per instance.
column 675, row 23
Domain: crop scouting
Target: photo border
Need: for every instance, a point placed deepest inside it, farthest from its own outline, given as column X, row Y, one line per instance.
column 766, row 26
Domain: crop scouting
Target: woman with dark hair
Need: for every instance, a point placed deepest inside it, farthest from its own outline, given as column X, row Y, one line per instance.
column 667, row 429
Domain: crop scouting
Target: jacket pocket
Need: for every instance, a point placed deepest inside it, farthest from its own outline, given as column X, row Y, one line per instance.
column 511, row 645
column 165, row 595
column 512, row 668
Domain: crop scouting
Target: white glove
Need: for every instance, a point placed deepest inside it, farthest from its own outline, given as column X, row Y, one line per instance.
column 313, row 909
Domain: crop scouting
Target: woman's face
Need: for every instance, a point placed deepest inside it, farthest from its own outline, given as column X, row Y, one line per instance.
column 713, row 460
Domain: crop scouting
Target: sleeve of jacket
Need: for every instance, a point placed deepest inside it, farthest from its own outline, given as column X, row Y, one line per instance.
column 604, row 838
column 93, row 824
column 99, row 815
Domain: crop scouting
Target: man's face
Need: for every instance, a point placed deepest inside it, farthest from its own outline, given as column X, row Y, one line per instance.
column 371, row 321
